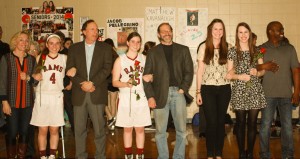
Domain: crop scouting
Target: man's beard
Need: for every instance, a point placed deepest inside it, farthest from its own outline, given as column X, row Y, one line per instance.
column 162, row 40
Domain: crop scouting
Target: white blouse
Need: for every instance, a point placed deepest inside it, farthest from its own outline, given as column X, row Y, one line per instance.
column 214, row 73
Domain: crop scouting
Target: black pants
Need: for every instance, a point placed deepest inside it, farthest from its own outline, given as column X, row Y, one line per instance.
column 215, row 104
column 202, row 124
column 69, row 107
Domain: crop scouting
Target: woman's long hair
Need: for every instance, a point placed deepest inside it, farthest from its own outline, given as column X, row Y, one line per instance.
column 52, row 8
column 209, row 49
column 252, row 49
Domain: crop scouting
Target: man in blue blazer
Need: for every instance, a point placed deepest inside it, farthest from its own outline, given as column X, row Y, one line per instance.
column 92, row 60
column 171, row 67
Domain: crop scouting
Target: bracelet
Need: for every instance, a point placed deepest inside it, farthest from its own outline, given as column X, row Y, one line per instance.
column 198, row 93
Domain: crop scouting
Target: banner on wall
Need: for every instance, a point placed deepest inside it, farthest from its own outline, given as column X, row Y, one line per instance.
column 44, row 20
column 192, row 26
column 155, row 16
column 119, row 28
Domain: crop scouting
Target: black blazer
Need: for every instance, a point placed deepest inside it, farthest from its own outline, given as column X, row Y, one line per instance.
column 100, row 69
column 157, row 65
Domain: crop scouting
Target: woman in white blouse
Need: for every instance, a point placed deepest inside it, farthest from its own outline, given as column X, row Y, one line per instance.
column 213, row 90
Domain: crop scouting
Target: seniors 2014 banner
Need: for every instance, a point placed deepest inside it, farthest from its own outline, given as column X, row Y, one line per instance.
column 118, row 30
column 192, row 23
column 46, row 19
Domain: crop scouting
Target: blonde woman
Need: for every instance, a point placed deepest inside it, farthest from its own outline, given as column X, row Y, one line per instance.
column 16, row 93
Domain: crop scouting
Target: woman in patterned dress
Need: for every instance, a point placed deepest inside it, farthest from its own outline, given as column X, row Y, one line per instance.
column 213, row 90
column 133, row 110
column 247, row 96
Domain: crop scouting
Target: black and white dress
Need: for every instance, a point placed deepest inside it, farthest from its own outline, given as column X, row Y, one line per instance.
column 245, row 95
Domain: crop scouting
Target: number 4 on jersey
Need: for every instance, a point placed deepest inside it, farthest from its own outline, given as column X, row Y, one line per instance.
column 52, row 78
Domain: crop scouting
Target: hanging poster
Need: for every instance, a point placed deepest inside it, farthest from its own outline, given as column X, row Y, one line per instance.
column 192, row 23
column 155, row 16
column 44, row 20
column 101, row 32
column 119, row 28
column 81, row 22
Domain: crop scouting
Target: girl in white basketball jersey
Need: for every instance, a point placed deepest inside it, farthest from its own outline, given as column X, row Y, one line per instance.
column 133, row 109
column 48, row 107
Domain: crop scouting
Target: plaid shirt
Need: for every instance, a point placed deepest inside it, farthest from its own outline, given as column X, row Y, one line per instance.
column 19, row 93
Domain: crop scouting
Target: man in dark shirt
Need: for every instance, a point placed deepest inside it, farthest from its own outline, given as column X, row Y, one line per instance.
column 172, row 68
column 279, row 90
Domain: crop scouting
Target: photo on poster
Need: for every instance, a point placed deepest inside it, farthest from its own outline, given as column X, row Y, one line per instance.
column 48, row 27
column 24, row 26
column 70, row 34
column 69, row 23
column 192, row 18
column 59, row 10
column 44, row 8
column 193, row 29
column 101, row 33
column 35, row 10
column 118, row 30
column 36, row 25
column 26, row 11
column 52, row 7
column 36, row 34
column 68, row 10
column 60, row 25
column 122, row 36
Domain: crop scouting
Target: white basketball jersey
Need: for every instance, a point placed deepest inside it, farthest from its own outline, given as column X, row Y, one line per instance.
column 133, row 112
column 130, row 70
column 53, row 75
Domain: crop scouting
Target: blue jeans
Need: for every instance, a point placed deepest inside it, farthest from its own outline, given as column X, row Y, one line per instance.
column 285, row 110
column 18, row 124
column 176, row 103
